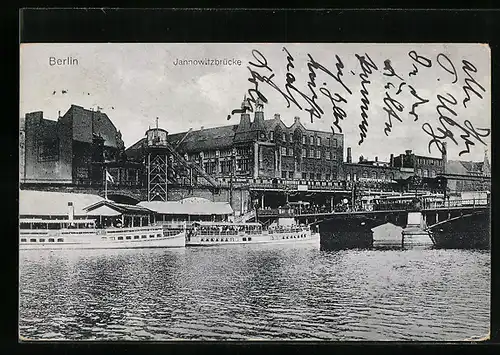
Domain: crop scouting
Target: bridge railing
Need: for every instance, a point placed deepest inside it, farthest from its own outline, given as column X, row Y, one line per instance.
column 457, row 203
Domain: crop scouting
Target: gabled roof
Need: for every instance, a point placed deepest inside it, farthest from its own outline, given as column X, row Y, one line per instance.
column 205, row 139
column 190, row 206
column 110, row 208
column 48, row 203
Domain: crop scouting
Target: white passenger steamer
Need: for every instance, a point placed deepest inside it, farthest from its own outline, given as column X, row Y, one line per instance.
column 223, row 233
column 83, row 234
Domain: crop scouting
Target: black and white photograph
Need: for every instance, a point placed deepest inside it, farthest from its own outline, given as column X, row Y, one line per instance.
column 254, row 191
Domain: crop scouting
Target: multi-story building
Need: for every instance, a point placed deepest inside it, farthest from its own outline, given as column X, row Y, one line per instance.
column 74, row 149
column 258, row 148
column 423, row 166
column 466, row 169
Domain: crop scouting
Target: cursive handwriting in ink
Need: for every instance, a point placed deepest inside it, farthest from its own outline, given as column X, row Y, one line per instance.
column 426, row 62
column 391, row 72
column 420, row 101
column 338, row 112
column 367, row 65
column 338, row 76
column 468, row 67
column 446, row 122
column 390, row 105
column 446, row 63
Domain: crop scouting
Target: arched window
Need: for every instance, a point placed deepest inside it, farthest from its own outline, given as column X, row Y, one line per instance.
column 365, row 174
column 374, row 174
column 348, row 177
column 382, row 176
column 426, row 173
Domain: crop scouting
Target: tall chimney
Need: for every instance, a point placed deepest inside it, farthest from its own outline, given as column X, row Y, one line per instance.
column 71, row 211
column 376, row 159
column 349, row 156
column 444, row 156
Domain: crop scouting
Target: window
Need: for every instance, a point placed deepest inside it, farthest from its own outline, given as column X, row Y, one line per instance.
column 426, row 173
column 289, row 152
column 365, row 174
column 291, row 137
column 311, row 140
column 283, row 174
column 144, row 236
column 104, row 238
column 271, row 136
column 157, row 236
column 382, row 176
column 374, row 174
column 304, row 176
column 318, row 141
column 303, row 139
column 318, row 154
column 328, row 155
column 433, row 173
column 41, row 240
column 354, row 176
column 60, row 240
column 304, row 152
column 329, row 143
column 32, row 240
column 348, row 177
column 311, row 176
column 128, row 237
column 334, row 143
column 244, row 239
column 23, row 240
column 419, row 172
column 327, row 176
column 249, row 239
column 120, row 238
column 284, row 137
column 283, row 150
column 318, row 176
column 290, row 174
column 51, row 240
column 311, row 153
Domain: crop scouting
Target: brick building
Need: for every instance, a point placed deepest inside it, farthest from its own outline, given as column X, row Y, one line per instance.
column 258, row 148
column 72, row 150
column 423, row 166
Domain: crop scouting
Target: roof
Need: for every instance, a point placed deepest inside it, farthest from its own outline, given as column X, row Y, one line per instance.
column 48, row 203
column 110, row 208
column 213, row 224
column 189, row 206
column 205, row 139
column 463, row 167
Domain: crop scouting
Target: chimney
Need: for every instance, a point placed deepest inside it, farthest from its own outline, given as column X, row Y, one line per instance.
column 408, row 151
column 59, row 114
column 376, row 159
column 391, row 161
column 201, row 129
column 444, row 156
column 349, row 156
column 71, row 211
column 276, row 116
column 258, row 120
column 245, row 116
column 296, row 119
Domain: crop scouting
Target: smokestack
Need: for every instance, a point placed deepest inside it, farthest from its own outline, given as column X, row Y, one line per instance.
column 71, row 211
column 444, row 156
column 349, row 156
column 376, row 159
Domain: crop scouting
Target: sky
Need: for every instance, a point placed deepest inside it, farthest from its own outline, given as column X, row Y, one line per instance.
column 135, row 83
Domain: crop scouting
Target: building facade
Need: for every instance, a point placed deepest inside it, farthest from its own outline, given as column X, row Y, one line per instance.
column 258, row 148
column 423, row 166
column 75, row 149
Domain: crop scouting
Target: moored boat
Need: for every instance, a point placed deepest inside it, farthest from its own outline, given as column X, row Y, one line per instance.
column 223, row 233
column 83, row 234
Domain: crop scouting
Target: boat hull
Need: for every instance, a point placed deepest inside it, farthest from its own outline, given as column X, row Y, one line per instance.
column 306, row 238
column 108, row 239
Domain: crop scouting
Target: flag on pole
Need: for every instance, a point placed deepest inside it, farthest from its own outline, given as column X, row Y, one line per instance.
column 109, row 177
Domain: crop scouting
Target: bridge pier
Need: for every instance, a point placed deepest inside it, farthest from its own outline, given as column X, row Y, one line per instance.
column 415, row 233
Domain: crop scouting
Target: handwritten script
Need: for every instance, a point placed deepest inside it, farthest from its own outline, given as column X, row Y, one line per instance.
column 440, row 123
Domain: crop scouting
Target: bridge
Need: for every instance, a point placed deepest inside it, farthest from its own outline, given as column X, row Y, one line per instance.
column 456, row 224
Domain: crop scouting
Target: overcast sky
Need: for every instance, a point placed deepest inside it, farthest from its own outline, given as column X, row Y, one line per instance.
column 135, row 83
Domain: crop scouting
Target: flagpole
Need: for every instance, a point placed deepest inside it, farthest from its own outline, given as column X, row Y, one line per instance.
column 106, row 183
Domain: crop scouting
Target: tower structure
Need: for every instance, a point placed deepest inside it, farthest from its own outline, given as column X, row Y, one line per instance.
column 157, row 163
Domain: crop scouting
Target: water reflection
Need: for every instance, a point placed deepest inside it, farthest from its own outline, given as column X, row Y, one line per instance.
column 256, row 292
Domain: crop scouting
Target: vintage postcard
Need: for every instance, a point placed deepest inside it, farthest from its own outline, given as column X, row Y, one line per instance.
column 254, row 191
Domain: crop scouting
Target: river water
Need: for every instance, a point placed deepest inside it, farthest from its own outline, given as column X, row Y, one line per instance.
column 254, row 292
